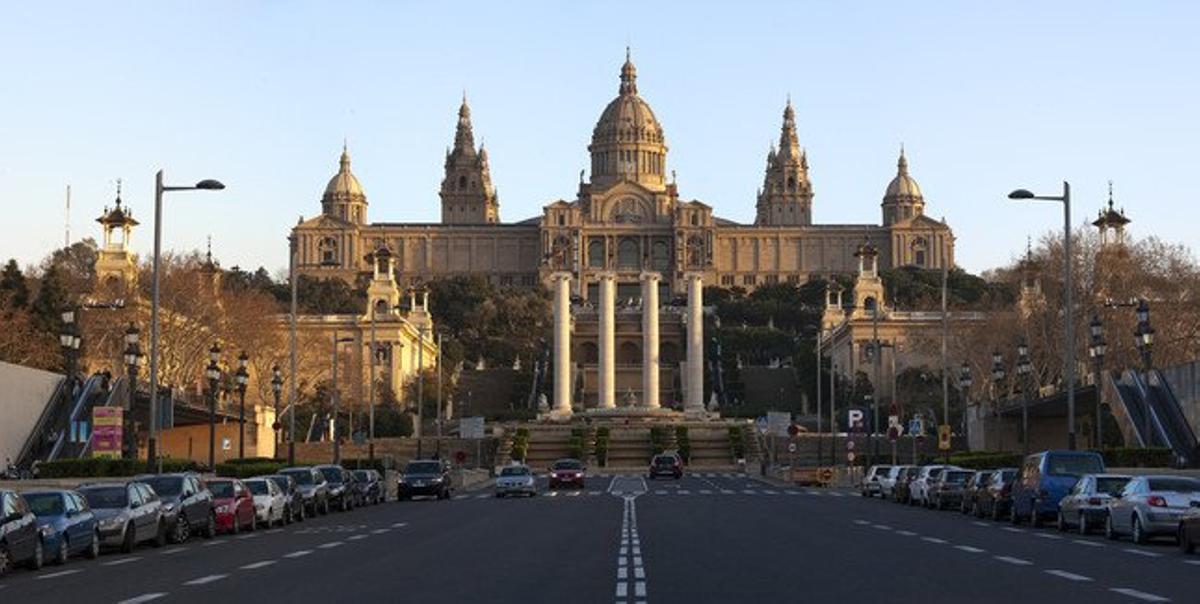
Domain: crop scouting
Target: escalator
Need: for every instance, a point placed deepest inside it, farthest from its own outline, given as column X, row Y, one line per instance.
column 1170, row 420
column 40, row 440
column 1130, row 407
column 115, row 396
column 63, row 432
column 1147, row 409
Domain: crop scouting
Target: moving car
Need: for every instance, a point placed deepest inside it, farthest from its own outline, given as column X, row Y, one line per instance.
column 20, row 539
column 976, row 483
column 429, row 477
column 1086, row 506
column 1189, row 530
column 1045, row 478
column 664, row 464
column 995, row 498
column 187, row 504
column 887, row 484
column 370, row 486
column 516, row 479
column 295, row 501
column 270, row 504
column 567, row 472
column 341, row 486
column 235, row 505
column 67, row 524
column 313, row 489
column 129, row 513
column 870, row 485
column 1150, row 506
column 948, row 490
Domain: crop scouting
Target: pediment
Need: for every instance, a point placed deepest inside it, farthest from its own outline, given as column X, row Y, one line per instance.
column 324, row 221
column 921, row 222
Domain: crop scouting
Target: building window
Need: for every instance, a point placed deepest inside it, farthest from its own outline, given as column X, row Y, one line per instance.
column 919, row 258
column 627, row 253
column 596, row 253
column 727, row 280
column 327, row 250
column 506, row 280
column 748, row 280
column 695, row 251
column 528, row 280
column 771, row 279
column 562, row 220
column 695, row 219
column 660, row 256
column 793, row 279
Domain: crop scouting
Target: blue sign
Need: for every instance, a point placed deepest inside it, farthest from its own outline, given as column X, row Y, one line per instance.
column 916, row 426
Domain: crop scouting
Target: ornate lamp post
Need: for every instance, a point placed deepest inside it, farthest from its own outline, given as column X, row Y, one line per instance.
column 277, row 390
column 1097, row 349
column 133, row 355
column 1144, row 340
column 241, row 376
column 70, row 341
column 998, row 374
column 964, row 385
column 1024, row 369
column 213, row 373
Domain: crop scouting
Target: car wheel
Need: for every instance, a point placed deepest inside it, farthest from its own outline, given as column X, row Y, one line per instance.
column 1185, row 545
column 64, row 551
column 182, row 530
column 1138, row 533
column 210, row 529
column 35, row 563
column 1110, row 531
column 93, row 550
column 4, row 561
column 129, row 540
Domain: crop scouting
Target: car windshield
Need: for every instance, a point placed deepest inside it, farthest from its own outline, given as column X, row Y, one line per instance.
column 258, row 487
column 101, row 498
column 280, row 481
column 222, row 489
column 1068, row 464
column 1178, row 485
column 957, row 477
column 165, row 486
column 515, row 471
column 45, row 504
column 664, row 460
column 300, row 476
column 362, row 475
column 1008, row 475
column 569, row 464
column 881, row 471
column 332, row 474
column 935, row 473
column 424, row 467
column 1112, row 486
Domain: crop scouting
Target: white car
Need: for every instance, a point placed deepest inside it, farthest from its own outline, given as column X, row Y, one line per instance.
column 516, row 479
column 270, row 502
column 887, row 482
column 871, row 481
column 919, row 489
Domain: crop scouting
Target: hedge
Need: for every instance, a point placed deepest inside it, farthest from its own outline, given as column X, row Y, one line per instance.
column 100, row 467
column 246, row 469
column 520, row 445
column 1129, row 457
column 602, row 436
column 985, row 460
column 737, row 442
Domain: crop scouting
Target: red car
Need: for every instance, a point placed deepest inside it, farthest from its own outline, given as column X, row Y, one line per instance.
column 567, row 472
column 234, row 505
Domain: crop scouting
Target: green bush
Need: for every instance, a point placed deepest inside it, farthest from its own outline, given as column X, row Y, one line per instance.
column 683, row 444
column 602, row 437
column 984, row 460
column 575, row 447
column 520, row 445
column 737, row 443
column 246, row 469
column 1129, row 457
column 100, row 467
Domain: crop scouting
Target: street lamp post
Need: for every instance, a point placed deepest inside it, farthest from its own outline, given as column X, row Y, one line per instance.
column 1068, row 307
column 337, row 449
column 964, row 386
column 70, row 341
column 1097, row 350
column 159, row 189
column 1144, row 339
column 133, row 355
column 277, row 390
column 213, row 373
column 998, row 375
column 241, row 377
column 1024, row 369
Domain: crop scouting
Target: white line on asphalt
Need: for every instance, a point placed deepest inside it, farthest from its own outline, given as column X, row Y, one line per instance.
column 687, row 492
column 770, row 492
column 1011, row 560
column 882, row 527
column 61, row 573
column 245, row 537
column 274, row 531
column 1141, row 595
column 552, row 494
column 933, row 539
column 817, row 493
column 1013, row 529
column 217, row 542
column 706, row 491
column 461, row 497
column 862, row 522
column 255, row 565
column 1086, row 542
column 1142, row 552
column 660, row 491
column 356, row 537
column 174, row 550
column 204, row 580
column 143, row 598
column 1066, row 575
column 380, row 531
column 399, row 524
column 792, row 492
column 298, row 553
column 593, row 493
column 639, row 572
column 637, row 560
column 482, row 496
column 331, row 544
column 978, row 523
column 726, row 492
column 749, row 491
column 906, row 533
column 624, row 551
column 835, row 494
column 1193, row 562
column 120, row 561
column 968, row 548
column 1048, row 536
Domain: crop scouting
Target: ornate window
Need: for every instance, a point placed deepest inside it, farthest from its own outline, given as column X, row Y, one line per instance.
column 627, row 253
column 748, row 280
column 727, row 280
column 695, row 251
column 560, row 252
column 628, row 211
column 462, row 182
column 327, row 250
column 596, row 253
column 660, row 256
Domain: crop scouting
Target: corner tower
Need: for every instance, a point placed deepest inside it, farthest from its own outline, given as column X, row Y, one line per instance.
column 786, row 195
column 116, row 269
column 344, row 196
column 468, row 196
column 628, row 143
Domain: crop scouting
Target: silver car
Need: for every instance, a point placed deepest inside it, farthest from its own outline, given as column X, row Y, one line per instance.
column 1149, row 506
column 870, row 485
column 919, row 488
column 887, row 483
column 515, row 480
column 128, row 514
column 1086, row 505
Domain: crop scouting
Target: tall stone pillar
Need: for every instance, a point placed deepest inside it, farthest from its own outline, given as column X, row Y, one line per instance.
column 562, row 345
column 650, row 340
column 608, row 343
column 694, row 398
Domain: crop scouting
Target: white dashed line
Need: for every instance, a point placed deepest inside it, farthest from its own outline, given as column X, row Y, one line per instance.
column 61, row 573
column 968, row 548
column 274, row 531
column 460, row 497
column 1142, row 552
column 245, row 537
column 1141, row 595
column 356, row 537
column 256, row 565
column 770, row 492
column 121, row 561
column 380, row 531
column 750, row 491
column 906, row 533
column 1086, row 542
column 706, row 491
column 933, row 539
column 174, row 550
column 143, row 598
column 882, row 527
column 1066, row 575
column 792, row 492
column 552, row 494
column 862, row 522
column 1048, row 536
column 331, row 544
column 298, row 554
column 399, row 524
column 482, row 496
column 1011, row 560
column 1192, row 562
column 205, row 580
column 1013, row 529
column 978, row 523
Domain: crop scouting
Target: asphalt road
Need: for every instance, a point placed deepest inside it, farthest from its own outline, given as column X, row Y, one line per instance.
column 707, row 538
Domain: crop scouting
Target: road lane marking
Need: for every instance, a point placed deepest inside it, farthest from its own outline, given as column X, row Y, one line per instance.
column 1141, row 595
column 61, row 573
column 298, row 554
column 792, row 492
column 205, row 580
column 1011, row 560
column 862, row 522
column 968, row 548
column 399, row 524
column 1142, row 552
column 979, row 523
column 770, row 492
column 1013, row 529
column 245, row 537
column 256, row 565
column 750, row 491
column 882, row 527
column 380, row 531
column 461, row 497
column 1086, row 542
column 143, row 598
column 552, row 494
column 331, row 544
column 622, row 573
column 684, row 492
column 175, row 550
column 356, row 537
column 274, row 531
column 1066, row 575
column 482, row 496
column 906, row 533
column 121, row 561
column 1048, row 536
column 1192, row 562
column 706, row 491
column 933, row 539
column 726, row 492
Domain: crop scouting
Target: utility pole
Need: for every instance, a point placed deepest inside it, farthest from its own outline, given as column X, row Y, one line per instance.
column 945, row 336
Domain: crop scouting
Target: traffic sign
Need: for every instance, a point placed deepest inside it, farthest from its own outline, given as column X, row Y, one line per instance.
column 916, row 426
column 850, row 457
column 855, row 417
column 944, row 437
column 850, row 445
column 791, row 447
column 761, row 423
column 460, row 457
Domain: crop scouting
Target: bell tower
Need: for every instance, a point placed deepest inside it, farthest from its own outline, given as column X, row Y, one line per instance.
column 468, row 196
column 116, row 268
column 786, row 194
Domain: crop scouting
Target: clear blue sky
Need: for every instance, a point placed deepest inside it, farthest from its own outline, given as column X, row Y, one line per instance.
column 985, row 96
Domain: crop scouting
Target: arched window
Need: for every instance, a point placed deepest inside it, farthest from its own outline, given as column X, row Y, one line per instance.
column 327, row 250
column 791, row 185
column 695, row 219
column 627, row 253
column 381, row 307
column 462, row 182
column 589, row 353
column 660, row 256
column 629, row 354
column 562, row 220
column 596, row 253
column 695, row 251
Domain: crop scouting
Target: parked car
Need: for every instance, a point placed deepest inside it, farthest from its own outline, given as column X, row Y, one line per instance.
column 270, row 504
column 1150, row 506
column 887, row 484
column 1045, row 478
column 234, row 505
column 295, row 499
column 1189, row 530
column 424, row 477
column 975, row 483
column 516, row 479
column 663, row 464
column 947, row 492
column 187, row 505
column 370, row 486
column 996, row 497
column 567, row 472
column 20, row 539
column 919, row 487
column 67, row 524
column 341, row 486
column 313, row 489
column 902, row 491
column 128, row 513
column 1086, row 506
column 870, row 484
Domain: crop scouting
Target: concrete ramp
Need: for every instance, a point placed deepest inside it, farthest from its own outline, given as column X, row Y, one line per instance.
column 24, row 395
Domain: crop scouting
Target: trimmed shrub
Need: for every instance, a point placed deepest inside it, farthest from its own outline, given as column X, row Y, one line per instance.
column 737, row 442
column 602, row 437
column 575, row 447
column 683, row 444
column 100, row 467
column 658, row 438
column 520, row 445
column 1130, row 457
column 245, row 469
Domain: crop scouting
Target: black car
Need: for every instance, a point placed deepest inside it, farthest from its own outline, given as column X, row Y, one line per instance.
column 996, row 498
column 313, row 488
column 295, row 506
column 370, row 486
column 341, row 486
column 187, row 505
column 429, row 477
column 20, row 540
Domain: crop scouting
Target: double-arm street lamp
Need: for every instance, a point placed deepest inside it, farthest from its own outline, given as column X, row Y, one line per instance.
column 133, row 357
column 242, row 377
column 999, row 372
column 277, row 390
column 70, row 341
column 1097, row 349
column 159, row 189
column 213, row 373
column 1068, row 306
column 1024, row 371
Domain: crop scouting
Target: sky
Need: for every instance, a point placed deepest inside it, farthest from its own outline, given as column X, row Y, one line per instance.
column 985, row 97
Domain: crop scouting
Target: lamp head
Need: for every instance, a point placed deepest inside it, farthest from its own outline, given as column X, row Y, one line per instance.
column 1021, row 194
column 209, row 184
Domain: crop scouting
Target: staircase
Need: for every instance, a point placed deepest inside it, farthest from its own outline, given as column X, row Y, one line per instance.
column 629, row 448
column 1150, row 415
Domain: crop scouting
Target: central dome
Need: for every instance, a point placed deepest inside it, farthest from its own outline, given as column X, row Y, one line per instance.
column 628, row 141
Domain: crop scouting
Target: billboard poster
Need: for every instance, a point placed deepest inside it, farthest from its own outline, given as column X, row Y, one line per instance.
column 107, row 431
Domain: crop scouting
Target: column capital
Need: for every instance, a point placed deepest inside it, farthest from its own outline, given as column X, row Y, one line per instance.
column 561, row 276
column 650, row 276
column 694, row 277
column 605, row 276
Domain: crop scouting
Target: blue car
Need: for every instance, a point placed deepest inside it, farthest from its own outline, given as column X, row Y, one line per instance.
column 67, row 524
column 1045, row 478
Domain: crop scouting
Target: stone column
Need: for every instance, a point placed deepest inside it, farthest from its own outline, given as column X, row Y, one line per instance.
column 562, row 345
column 650, row 340
column 694, row 399
column 608, row 344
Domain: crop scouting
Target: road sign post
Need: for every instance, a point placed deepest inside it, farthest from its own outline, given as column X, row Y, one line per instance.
column 944, row 437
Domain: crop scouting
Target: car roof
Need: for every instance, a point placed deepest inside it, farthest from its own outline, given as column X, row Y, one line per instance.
column 95, row 485
column 46, row 492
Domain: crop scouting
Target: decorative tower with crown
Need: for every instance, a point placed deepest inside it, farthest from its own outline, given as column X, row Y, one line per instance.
column 344, row 197
column 1112, row 225
column 383, row 294
column 902, row 200
column 468, row 196
column 786, row 194
column 868, row 285
column 116, row 268
column 1031, row 297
